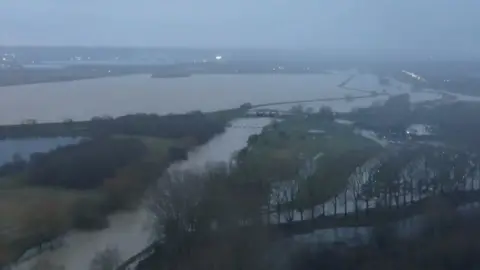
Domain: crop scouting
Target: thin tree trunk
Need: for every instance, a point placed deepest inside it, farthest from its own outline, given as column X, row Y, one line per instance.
column 345, row 202
column 268, row 213
column 335, row 206
column 412, row 197
column 385, row 199
column 323, row 209
column 356, row 207
column 366, row 206
column 278, row 213
column 390, row 198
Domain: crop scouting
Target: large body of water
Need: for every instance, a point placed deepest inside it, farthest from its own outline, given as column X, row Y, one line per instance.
column 79, row 100
column 115, row 96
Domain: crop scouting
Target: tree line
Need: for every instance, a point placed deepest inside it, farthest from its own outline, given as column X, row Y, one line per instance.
column 195, row 125
column 220, row 218
column 82, row 166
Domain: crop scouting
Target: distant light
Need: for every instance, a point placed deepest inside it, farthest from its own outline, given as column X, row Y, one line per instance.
column 218, row 57
column 4, row 59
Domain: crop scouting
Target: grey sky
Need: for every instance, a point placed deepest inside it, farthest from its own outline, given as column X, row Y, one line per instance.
column 442, row 25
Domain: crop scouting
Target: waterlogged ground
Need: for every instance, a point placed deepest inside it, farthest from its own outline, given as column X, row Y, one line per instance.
column 129, row 231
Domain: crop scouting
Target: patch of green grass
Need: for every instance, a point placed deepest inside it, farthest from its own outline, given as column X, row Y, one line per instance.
column 289, row 143
column 28, row 214
column 332, row 175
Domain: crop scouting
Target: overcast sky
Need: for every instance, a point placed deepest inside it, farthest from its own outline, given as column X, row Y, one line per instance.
column 440, row 25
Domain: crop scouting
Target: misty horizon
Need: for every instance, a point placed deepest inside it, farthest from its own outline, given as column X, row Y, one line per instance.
column 352, row 27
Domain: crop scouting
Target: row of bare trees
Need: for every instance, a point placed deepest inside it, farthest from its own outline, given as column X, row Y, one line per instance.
column 200, row 218
column 413, row 173
column 220, row 209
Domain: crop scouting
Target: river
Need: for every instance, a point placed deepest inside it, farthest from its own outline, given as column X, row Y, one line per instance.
column 129, row 231
column 80, row 100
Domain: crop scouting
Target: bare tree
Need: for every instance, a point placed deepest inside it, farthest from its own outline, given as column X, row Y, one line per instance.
column 108, row 259
column 173, row 202
column 277, row 200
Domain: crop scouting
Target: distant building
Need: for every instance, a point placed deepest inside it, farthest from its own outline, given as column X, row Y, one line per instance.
column 419, row 130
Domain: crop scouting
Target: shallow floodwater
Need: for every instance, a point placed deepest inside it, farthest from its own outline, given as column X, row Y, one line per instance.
column 129, row 231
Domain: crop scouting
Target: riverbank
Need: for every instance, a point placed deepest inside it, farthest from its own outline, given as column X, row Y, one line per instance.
column 130, row 231
column 65, row 209
column 74, row 207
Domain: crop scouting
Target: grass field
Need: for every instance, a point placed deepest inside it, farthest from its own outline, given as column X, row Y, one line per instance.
column 29, row 216
column 281, row 151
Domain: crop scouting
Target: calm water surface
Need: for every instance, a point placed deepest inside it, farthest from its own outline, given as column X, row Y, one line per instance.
column 84, row 99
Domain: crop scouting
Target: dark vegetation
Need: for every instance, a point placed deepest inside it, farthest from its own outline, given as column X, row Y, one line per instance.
column 83, row 166
column 196, row 124
column 392, row 118
column 221, row 221
column 445, row 117
column 447, row 242
column 80, row 184
column 241, row 238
